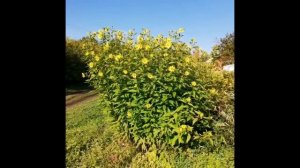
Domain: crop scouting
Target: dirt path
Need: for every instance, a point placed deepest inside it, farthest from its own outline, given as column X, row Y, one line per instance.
column 75, row 99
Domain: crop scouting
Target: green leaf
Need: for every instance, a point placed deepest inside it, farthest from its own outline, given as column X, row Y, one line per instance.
column 180, row 108
column 164, row 98
column 175, row 116
column 195, row 120
column 155, row 132
column 180, row 139
column 188, row 138
column 132, row 91
column 174, row 94
column 173, row 141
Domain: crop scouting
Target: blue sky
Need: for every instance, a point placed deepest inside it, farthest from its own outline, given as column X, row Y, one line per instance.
column 205, row 20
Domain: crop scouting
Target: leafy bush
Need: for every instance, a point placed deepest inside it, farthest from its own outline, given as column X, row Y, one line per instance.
column 74, row 63
column 161, row 95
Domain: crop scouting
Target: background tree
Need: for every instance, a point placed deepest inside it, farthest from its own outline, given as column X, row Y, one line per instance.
column 201, row 54
column 223, row 52
column 74, row 63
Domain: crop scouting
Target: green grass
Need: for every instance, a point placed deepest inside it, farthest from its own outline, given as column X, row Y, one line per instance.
column 94, row 140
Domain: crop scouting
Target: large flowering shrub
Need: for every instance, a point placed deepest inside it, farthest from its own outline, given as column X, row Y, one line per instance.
column 154, row 87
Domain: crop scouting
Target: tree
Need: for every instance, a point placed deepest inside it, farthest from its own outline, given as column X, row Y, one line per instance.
column 74, row 63
column 223, row 52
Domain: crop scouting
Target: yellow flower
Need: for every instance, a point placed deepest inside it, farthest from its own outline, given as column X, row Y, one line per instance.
column 97, row 58
column 171, row 68
column 87, row 53
column 118, row 57
column 100, row 73
column 168, row 43
column 186, row 73
column 180, row 30
column 151, row 55
column 93, row 75
column 213, row 91
column 147, row 47
column 91, row 64
column 145, row 61
column 159, row 36
column 129, row 114
column 139, row 39
column 148, row 106
column 92, row 53
column 183, row 126
column 125, row 72
column 129, row 42
column 166, row 54
column 133, row 75
column 110, row 56
column 106, row 47
column 83, row 75
column 100, row 34
column 194, row 83
column 188, row 99
column 130, row 32
column 138, row 46
column 150, row 76
column 187, row 59
column 119, row 35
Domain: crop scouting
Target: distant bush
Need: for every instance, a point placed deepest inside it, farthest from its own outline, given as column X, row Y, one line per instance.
column 159, row 92
column 223, row 52
column 74, row 63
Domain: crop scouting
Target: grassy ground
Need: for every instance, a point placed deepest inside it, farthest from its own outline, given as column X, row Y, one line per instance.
column 94, row 140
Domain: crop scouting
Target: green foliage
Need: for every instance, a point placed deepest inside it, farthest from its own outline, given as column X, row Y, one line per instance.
column 94, row 140
column 160, row 94
column 74, row 63
column 224, row 51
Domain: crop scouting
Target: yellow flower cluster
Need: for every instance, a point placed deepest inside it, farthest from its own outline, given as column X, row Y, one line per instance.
column 101, row 34
column 186, row 73
column 118, row 57
column 110, row 56
column 147, row 47
column 194, row 83
column 139, row 39
column 168, row 43
column 138, row 46
column 106, row 47
column 125, row 72
column 119, row 35
column 187, row 59
column 213, row 91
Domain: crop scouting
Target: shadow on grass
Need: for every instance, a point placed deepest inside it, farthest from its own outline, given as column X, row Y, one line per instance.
column 76, row 89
